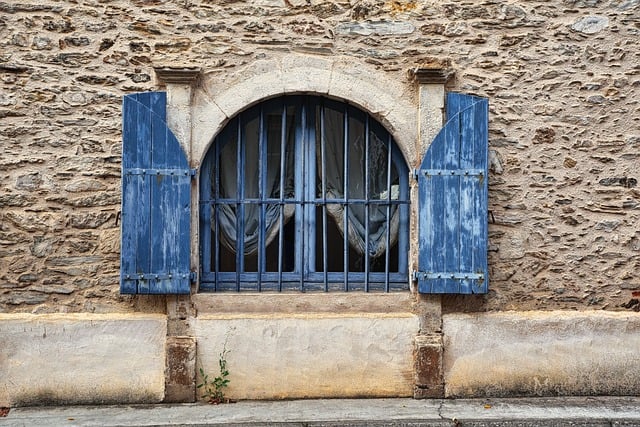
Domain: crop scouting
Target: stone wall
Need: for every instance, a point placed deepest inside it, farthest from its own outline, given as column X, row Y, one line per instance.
column 562, row 78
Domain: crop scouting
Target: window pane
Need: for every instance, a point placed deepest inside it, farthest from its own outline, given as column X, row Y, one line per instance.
column 251, row 161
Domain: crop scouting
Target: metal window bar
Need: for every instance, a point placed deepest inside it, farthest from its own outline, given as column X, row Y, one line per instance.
column 300, row 178
column 309, row 131
column 366, row 205
column 387, row 254
column 283, row 137
column 345, row 266
column 216, row 212
column 239, row 205
column 304, row 273
column 262, row 188
column 325, row 261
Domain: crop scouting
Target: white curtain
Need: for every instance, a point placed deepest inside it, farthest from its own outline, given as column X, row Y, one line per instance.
column 228, row 169
column 377, row 181
column 334, row 182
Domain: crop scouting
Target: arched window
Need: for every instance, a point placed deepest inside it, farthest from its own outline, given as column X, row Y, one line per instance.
column 307, row 193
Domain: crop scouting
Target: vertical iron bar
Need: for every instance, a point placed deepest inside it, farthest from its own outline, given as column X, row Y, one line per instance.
column 325, row 263
column 345, row 219
column 216, row 193
column 299, row 190
column 387, row 253
column 303, row 249
column 283, row 136
column 403, row 229
column 366, row 204
column 262, row 178
column 239, row 205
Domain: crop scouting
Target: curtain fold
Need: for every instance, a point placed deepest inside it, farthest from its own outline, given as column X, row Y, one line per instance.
column 228, row 169
column 356, row 174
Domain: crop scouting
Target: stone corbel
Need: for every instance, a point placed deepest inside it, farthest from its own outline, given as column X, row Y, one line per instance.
column 174, row 75
column 179, row 83
column 431, row 77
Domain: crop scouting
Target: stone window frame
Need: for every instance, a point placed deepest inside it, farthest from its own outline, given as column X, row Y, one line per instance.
column 200, row 104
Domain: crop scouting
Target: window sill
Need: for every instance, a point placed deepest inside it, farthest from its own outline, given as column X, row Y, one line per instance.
column 297, row 303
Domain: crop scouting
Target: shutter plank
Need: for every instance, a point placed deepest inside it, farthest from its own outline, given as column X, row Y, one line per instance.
column 451, row 219
column 141, row 208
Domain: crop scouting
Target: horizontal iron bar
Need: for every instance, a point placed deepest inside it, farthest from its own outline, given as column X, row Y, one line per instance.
column 230, row 276
column 307, row 202
column 420, row 275
column 170, row 172
column 295, row 286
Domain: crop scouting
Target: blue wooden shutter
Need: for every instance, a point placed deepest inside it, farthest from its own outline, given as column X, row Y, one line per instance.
column 156, row 201
column 452, row 192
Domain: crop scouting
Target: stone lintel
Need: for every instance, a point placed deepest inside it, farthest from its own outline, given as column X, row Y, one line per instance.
column 177, row 75
column 432, row 75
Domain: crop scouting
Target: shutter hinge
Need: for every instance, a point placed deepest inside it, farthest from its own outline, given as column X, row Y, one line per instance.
column 156, row 276
column 415, row 174
column 421, row 275
column 168, row 172
column 449, row 172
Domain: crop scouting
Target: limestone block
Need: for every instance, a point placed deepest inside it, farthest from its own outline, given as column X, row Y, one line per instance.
column 313, row 355
column 541, row 353
column 81, row 359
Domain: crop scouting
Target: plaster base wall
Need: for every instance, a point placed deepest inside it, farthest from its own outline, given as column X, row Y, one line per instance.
column 541, row 354
column 75, row 359
column 316, row 355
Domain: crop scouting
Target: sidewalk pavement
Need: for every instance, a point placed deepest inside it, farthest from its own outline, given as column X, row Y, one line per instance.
column 521, row 412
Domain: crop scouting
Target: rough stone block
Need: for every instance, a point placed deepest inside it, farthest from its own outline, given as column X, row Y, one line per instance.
column 180, row 376
column 428, row 366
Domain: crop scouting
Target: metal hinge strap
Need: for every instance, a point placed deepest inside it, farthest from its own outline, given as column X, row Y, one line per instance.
column 168, row 172
column 421, row 275
column 157, row 276
column 449, row 172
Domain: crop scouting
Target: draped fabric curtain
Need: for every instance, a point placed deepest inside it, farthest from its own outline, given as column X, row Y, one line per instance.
column 228, row 170
column 380, row 219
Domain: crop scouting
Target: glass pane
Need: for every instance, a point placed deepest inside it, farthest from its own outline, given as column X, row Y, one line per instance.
column 356, row 165
column 333, row 169
column 228, row 161
column 251, row 164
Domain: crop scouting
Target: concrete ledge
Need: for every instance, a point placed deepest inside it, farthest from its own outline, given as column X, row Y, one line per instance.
column 542, row 354
column 81, row 359
column 292, row 303
column 302, row 356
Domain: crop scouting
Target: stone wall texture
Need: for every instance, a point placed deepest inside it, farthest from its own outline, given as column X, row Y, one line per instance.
column 562, row 77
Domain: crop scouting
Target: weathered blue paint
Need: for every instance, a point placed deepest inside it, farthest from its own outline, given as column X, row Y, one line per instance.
column 452, row 192
column 156, row 201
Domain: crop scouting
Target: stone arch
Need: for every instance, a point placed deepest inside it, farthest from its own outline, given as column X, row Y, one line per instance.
column 223, row 94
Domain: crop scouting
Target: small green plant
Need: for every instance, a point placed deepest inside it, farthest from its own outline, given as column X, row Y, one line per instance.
column 214, row 389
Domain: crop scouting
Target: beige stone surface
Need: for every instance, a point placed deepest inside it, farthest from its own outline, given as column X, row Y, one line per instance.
column 313, row 355
column 81, row 359
column 541, row 353
column 561, row 77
